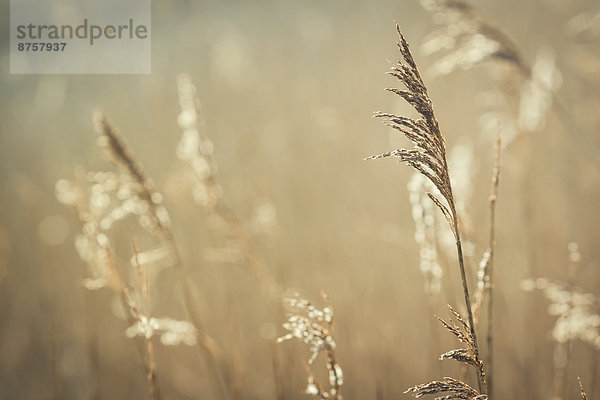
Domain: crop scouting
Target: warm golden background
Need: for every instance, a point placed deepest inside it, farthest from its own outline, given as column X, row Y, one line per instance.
column 288, row 90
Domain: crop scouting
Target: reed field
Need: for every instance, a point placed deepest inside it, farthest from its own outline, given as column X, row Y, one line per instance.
column 306, row 199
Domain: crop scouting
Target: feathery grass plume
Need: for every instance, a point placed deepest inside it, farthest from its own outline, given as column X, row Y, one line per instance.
column 94, row 249
column 428, row 156
column 115, row 196
column 196, row 149
column 315, row 327
column 472, row 40
column 583, row 394
column 148, row 202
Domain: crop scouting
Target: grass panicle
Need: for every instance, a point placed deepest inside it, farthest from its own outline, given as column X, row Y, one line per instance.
column 428, row 155
column 113, row 197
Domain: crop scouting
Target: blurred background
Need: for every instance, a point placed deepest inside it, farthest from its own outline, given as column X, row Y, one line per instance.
column 288, row 89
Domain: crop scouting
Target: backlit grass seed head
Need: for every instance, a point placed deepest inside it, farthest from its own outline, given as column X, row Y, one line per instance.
column 312, row 327
column 315, row 327
column 134, row 190
column 428, row 155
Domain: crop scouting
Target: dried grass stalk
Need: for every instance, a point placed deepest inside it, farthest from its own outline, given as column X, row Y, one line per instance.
column 151, row 361
column 134, row 189
column 428, row 155
column 94, row 248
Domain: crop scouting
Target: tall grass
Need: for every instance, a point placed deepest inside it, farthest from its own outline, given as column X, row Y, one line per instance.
column 157, row 241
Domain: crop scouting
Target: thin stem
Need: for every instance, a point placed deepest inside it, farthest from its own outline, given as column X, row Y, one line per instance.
column 461, row 263
column 151, row 361
column 124, row 158
column 492, row 247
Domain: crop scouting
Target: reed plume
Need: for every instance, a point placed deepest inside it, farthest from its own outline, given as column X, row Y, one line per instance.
column 428, row 155
column 114, row 197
